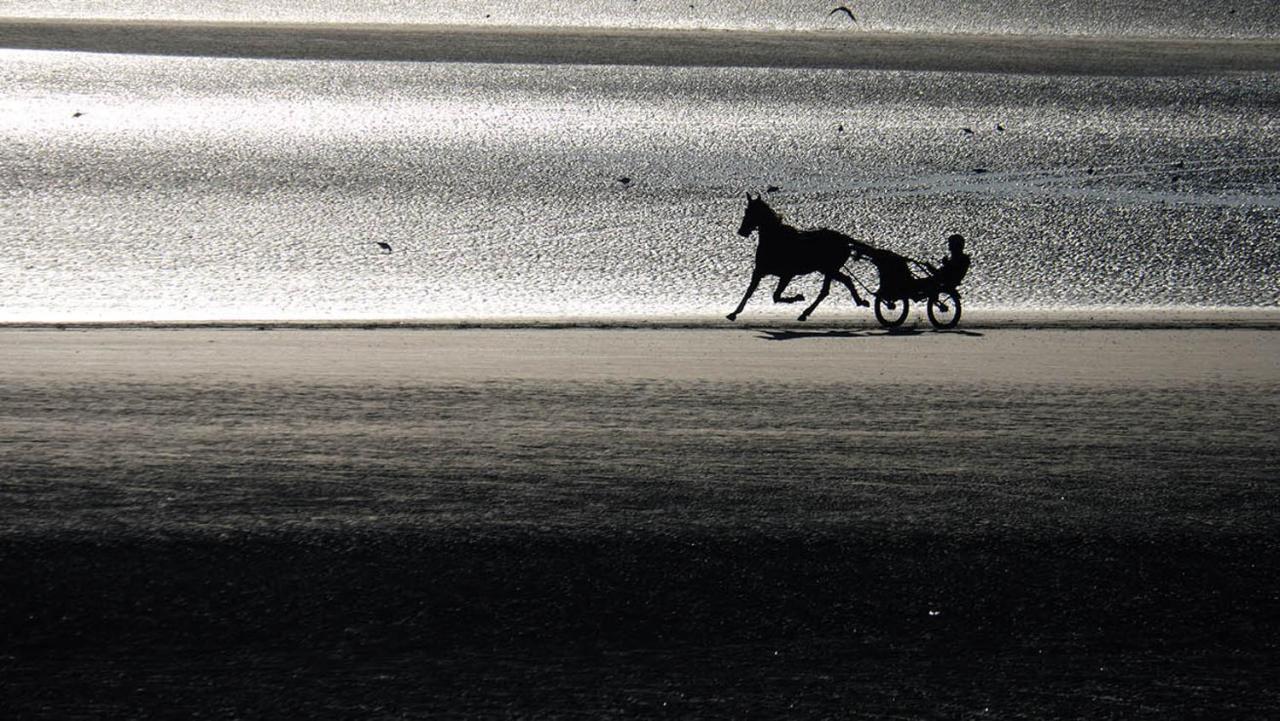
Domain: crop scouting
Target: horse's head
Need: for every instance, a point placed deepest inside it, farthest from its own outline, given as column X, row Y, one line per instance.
column 758, row 212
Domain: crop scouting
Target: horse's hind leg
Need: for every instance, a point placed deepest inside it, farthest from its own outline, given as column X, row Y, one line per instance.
column 826, row 288
column 848, row 283
column 778, row 297
column 755, row 283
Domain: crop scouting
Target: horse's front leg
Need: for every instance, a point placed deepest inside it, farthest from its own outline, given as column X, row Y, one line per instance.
column 826, row 288
column 756, row 275
column 778, row 297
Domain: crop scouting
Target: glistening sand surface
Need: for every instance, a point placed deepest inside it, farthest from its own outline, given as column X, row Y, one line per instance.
column 595, row 523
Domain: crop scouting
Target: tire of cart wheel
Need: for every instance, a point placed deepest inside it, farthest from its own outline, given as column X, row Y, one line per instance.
column 892, row 317
column 944, row 309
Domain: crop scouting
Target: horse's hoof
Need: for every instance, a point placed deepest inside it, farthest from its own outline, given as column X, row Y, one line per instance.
column 732, row 316
column 803, row 317
column 864, row 304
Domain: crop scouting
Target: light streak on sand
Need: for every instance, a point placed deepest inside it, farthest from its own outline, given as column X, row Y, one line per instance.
column 609, row 46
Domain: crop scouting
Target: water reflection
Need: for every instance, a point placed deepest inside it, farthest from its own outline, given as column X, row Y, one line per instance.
column 194, row 188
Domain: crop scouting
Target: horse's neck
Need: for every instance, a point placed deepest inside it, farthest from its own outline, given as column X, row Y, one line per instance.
column 773, row 230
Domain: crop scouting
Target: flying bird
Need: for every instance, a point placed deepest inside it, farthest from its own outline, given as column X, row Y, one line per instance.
column 624, row 180
column 840, row 128
column 845, row 10
column 76, row 114
column 386, row 247
column 979, row 171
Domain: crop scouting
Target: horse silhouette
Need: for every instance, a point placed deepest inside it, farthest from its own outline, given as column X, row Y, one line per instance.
column 786, row 252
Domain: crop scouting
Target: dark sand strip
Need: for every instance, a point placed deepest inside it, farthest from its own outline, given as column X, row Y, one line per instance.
column 543, row 626
column 607, row 46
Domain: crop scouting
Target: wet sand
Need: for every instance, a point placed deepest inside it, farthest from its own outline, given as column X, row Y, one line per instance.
column 605, row 46
column 999, row 522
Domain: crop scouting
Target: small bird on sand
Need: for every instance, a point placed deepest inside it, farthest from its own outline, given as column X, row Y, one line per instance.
column 772, row 189
column 624, row 180
column 967, row 131
column 76, row 114
column 840, row 128
column 845, row 10
column 386, row 247
column 979, row 171
column 999, row 128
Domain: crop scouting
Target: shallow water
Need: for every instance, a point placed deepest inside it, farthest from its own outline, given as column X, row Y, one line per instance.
column 251, row 189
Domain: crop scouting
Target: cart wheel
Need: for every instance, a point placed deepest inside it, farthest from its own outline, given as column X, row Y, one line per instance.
column 944, row 309
column 891, row 313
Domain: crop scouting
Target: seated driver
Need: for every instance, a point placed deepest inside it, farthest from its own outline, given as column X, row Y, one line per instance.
column 951, row 269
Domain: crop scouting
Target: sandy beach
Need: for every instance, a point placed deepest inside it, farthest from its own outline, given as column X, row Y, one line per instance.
column 370, row 360
column 515, row 522
column 618, row 46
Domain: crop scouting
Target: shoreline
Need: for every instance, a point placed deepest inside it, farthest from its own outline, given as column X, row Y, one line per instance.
column 1084, row 55
column 1263, row 319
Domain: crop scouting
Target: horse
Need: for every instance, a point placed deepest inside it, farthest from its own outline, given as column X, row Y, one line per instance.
column 786, row 252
